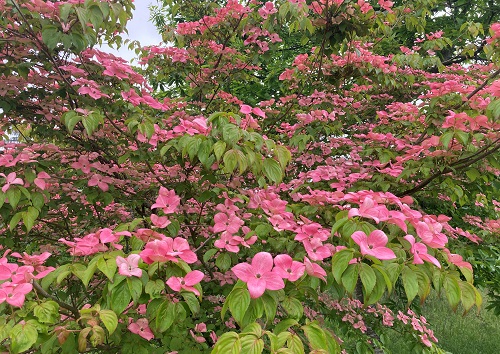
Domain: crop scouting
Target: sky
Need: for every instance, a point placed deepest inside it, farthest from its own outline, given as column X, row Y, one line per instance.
column 139, row 28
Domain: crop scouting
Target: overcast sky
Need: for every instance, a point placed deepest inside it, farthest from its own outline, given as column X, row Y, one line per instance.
column 139, row 28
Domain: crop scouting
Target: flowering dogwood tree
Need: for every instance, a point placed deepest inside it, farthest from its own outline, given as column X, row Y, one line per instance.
column 281, row 177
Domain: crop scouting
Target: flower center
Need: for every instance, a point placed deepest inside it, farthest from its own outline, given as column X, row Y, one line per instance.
column 258, row 276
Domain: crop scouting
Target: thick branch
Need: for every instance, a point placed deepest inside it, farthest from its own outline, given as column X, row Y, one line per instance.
column 40, row 291
column 457, row 166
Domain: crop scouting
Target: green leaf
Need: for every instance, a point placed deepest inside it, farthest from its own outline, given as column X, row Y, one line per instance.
column 384, row 275
column 250, row 344
column 393, row 270
column 410, row 283
column 219, row 149
column 154, row 288
column 29, row 217
column 209, row 254
column 120, row 297
column 350, row 278
column 338, row 224
column 95, row 16
column 283, row 155
column 272, row 170
column 446, row 138
column 230, row 160
column 231, row 133
column 368, row 278
column 223, row 261
column 82, row 339
column 315, row 335
column 47, row 312
column 109, row 319
column 165, row 316
column 15, row 220
column 70, row 120
column 278, row 341
column 473, row 174
column 293, row 307
column 270, row 306
column 51, row 36
column 91, row 122
column 285, row 325
column 84, row 273
column 22, row 337
column 467, row 273
column 452, row 291
column 191, row 301
column 378, row 290
column 254, row 329
column 239, row 301
column 107, row 266
column 468, row 296
column 64, row 11
column 135, row 287
column 228, row 343
column 14, row 195
column 340, row 261
column 294, row 343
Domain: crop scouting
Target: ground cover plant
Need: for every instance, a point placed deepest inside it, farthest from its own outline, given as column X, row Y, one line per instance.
column 262, row 183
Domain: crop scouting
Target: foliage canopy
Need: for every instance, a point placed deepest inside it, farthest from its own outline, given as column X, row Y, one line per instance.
column 283, row 177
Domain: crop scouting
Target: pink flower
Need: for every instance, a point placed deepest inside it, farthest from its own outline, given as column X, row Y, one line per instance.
column 167, row 200
column 429, row 231
column 374, row 244
column 40, row 180
column 14, row 294
column 386, row 5
column 155, row 251
column 187, row 282
column 316, row 250
column 245, row 109
column 141, row 327
column 82, row 164
column 419, row 251
column 160, row 221
column 198, row 339
column 129, row 266
column 267, row 9
column 370, row 209
column 100, row 181
column 259, row 275
column 314, row 269
column 228, row 242
column 32, row 260
column 10, row 180
column 457, row 259
column 200, row 327
column 179, row 247
column 230, row 224
column 287, row 268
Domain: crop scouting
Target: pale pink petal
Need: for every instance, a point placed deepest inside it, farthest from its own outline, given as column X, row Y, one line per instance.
column 377, row 238
column 382, row 253
column 193, row 277
column 256, row 287
column 245, row 109
column 262, row 262
column 243, row 271
column 273, row 281
column 174, row 283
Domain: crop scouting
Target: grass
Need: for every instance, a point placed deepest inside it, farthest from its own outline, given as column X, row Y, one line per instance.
column 474, row 333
